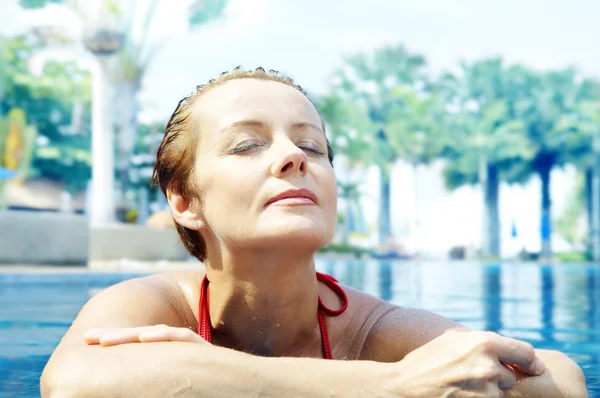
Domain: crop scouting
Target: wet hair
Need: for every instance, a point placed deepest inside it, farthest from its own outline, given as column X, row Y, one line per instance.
column 176, row 156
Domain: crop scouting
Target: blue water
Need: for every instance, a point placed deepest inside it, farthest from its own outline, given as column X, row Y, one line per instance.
column 554, row 307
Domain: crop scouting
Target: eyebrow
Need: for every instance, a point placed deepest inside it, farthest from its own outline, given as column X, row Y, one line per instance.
column 261, row 124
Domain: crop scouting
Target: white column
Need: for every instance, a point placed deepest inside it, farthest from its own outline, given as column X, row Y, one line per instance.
column 102, row 195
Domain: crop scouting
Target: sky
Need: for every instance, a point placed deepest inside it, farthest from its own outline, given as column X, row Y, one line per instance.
column 308, row 41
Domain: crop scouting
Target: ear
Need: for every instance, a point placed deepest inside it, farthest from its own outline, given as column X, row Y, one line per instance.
column 184, row 211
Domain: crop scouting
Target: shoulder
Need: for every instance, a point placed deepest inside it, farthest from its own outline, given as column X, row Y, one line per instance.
column 401, row 330
column 153, row 299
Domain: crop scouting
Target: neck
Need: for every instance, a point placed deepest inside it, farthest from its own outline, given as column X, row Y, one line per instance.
column 265, row 303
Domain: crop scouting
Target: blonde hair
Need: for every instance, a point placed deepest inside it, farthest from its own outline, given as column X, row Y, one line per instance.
column 176, row 155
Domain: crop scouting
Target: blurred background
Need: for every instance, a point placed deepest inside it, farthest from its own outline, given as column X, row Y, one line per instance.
column 462, row 129
column 466, row 133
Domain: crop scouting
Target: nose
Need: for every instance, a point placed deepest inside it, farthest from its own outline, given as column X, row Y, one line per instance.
column 289, row 160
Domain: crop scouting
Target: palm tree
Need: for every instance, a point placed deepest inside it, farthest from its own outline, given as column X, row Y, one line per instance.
column 486, row 141
column 580, row 125
column 377, row 82
column 345, row 124
column 541, row 100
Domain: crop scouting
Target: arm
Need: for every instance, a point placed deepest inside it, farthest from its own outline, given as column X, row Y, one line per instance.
column 403, row 330
column 201, row 370
column 178, row 368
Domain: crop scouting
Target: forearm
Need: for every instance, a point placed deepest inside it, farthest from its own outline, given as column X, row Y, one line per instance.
column 200, row 370
column 562, row 378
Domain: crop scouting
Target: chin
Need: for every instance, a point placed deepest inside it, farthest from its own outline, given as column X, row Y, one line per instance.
column 298, row 233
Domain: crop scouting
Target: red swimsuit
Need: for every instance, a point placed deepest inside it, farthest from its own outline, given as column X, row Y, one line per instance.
column 204, row 315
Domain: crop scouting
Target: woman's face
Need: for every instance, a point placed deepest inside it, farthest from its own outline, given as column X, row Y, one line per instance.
column 262, row 170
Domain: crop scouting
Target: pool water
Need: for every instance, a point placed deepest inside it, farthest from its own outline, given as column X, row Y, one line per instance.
column 553, row 307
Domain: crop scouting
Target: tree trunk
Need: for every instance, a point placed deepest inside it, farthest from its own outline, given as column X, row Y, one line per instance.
column 546, row 219
column 492, row 293
column 491, row 246
column 126, row 124
column 592, row 203
column 587, row 199
column 384, row 206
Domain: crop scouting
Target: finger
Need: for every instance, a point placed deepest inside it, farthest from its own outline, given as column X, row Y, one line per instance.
column 519, row 353
column 114, row 336
column 92, row 336
column 170, row 334
column 492, row 391
column 538, row 365
column 506, row 377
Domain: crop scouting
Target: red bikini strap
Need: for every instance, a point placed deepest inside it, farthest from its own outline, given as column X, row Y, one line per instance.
column 331, row 282
column 204, row 311
column 204, row 323
column 324, row 336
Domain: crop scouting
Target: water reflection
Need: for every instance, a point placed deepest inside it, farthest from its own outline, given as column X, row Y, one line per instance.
column 554, row 307
column 385, row 280
column 593, row 312
column 492, row 295
column 547, row 304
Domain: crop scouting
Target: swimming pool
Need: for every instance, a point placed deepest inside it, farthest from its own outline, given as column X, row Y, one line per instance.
column 555, row 307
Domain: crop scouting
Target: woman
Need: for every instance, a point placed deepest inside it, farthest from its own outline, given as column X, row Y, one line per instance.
column 247, row 171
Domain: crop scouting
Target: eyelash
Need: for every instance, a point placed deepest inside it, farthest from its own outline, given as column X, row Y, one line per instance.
column 244, row 148
column 252, row 146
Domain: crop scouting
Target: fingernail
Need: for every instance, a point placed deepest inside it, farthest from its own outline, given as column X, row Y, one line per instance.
column 93, row 333
column 538, row 366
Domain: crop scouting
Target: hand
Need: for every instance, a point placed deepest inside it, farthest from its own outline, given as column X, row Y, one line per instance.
column 144, row 334
column 465, row 364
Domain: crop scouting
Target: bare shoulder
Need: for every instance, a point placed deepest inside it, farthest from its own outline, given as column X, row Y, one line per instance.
column 150, row 300
column 402, row 330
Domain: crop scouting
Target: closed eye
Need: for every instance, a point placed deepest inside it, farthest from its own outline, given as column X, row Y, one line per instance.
column 313, row 150
column 245, row 148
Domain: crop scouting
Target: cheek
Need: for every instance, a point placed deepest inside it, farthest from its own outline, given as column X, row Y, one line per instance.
column 229, row 188
column 329, row 184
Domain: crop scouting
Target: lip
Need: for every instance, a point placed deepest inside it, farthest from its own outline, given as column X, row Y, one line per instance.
column 297, row 196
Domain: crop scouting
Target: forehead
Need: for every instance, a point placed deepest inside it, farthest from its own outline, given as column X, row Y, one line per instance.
column 244, row 99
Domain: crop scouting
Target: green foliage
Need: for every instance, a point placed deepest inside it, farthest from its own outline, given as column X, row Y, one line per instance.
column 204, row 11
column 544, row 100
column 346, row 124
column 481, row 125
column 386, row 87
column 379, row 111
column 62, row 152
column 572, row 257
column 580, row 126
column 35, row 4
